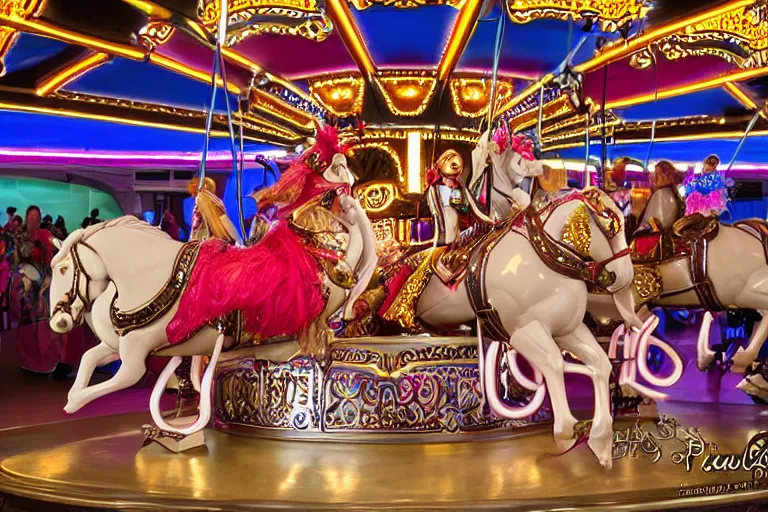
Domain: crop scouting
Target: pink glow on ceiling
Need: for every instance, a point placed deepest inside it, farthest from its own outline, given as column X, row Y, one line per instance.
column 624, row 81
column 297, row 57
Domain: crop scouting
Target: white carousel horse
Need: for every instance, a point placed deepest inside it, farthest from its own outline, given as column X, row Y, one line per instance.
column 508, row 169
column 134, row 260
column 541, row 310
column 741, row 284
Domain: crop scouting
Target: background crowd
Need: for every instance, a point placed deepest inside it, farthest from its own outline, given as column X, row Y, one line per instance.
column 26, row 250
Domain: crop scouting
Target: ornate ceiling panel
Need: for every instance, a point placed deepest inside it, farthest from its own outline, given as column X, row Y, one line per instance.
column 610, row 14
column 278, row 17
column 738, row 36
column 14, row 10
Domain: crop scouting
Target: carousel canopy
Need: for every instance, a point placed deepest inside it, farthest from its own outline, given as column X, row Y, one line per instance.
column 666, row 79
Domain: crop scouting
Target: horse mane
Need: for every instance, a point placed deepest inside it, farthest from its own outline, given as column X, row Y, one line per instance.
column 127, row 222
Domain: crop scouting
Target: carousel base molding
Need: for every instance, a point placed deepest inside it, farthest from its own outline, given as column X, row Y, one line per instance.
column 369, row 390
column 100, row 463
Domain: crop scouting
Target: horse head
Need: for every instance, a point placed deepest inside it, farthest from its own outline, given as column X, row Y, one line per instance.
column 78, row 277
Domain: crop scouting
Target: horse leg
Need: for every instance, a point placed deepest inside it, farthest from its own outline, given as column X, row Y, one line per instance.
column 705, row 356
column 133, row 350
column 535, row 343
column 746, row 356
column 88, row 363
column 583, row 344
column 205, row 395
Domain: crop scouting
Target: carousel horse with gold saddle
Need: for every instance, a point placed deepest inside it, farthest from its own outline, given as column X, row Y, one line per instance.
column 687, row 262
column 144, row 293
column 524, row 281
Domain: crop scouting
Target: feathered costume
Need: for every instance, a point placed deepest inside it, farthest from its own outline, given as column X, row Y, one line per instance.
column 275, row 283
column 706, row 194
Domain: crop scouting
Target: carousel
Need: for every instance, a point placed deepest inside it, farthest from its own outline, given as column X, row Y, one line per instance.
column 512, row 254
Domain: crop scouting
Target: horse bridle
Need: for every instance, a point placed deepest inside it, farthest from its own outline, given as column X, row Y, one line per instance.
column 76, row 292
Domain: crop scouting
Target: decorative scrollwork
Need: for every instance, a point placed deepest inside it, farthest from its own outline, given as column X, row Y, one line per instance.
column 376, row 197
column 647, row 282
column 280, row 17
column 425, row 388
column 611, row 14
column 14, row 10
column 156, row 33
column 260, row 393
column 739, row 36
column 404, row 4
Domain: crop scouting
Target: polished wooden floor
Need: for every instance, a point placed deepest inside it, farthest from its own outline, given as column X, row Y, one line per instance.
column 99, row 462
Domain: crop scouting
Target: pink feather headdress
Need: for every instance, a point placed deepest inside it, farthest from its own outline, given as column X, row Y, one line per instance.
column 519, row 143
column 313, row 161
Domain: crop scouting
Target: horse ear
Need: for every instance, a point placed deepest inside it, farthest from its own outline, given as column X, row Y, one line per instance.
column 56, row 243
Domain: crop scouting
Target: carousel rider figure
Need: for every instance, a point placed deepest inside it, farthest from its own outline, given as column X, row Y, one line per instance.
column 452, row 206
column 209, row 218
column 706, row 194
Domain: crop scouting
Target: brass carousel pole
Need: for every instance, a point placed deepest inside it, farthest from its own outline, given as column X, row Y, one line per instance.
column 492, row 101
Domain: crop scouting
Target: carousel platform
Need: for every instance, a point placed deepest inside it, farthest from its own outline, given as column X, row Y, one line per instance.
column 100, row 463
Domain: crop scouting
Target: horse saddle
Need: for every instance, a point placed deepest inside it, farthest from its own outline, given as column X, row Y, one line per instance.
column 450, row 263
column 682, row 239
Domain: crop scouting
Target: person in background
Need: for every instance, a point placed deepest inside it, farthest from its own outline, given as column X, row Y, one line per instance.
column 11, row 212
column 59, row 228
column 16, row 224
column 93, row 219
column 34, row 250
column 47, row 223
column 169, row 225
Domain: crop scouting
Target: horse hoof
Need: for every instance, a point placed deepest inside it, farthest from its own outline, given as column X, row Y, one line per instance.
column 175, row 443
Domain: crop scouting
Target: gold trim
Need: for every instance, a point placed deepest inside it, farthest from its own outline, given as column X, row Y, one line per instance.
column 744, row 29
column 470, row 96
column 156, row 33
column 70, row 73
column 127, row 321
column 623, row 48
column 407, row 93
column 342, row 96
column 611, row 14
column 15, row 10
column 339, row 12
column 403, row 308
column 250, row 122
column 362, row 5
column 457, row 41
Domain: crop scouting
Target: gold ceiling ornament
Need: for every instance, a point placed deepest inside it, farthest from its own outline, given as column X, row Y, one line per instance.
column 250, row 122
column 427, row 133
column 361, row 5
column 279, row 17
column 156, row 33
column 610, row 14
column 595, row 127
column 739, row 36
column 407, row 93
column 342, row 96
column 15, row 10
column 470, row 96
column 376, row 196
column 554, row 109
column 382, row 146
column 266, row 103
